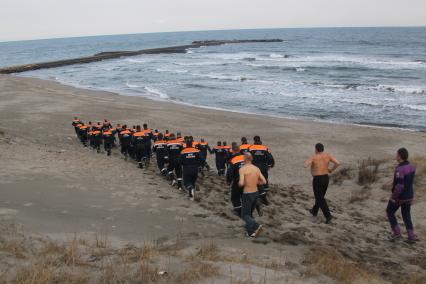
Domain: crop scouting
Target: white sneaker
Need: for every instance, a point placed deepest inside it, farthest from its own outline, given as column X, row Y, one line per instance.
column 257, row 232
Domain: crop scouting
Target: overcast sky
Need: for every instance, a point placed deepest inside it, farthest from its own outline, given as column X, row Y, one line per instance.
column 32, row 19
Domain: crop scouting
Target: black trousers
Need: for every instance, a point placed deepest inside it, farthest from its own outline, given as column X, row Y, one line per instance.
column 125, row 149
column 161, row 162
column 236, row 194
column 190, row 175
column 140, row 152
column 249, row 201
column 220, row 166
column 107, row 147
column 320, row 185
column 176, row 167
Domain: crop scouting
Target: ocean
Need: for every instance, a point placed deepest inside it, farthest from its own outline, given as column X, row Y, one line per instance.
column 368, row 76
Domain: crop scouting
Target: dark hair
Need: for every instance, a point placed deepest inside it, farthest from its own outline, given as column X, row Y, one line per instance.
column 219, row 143
column 244, row 140
column 224, row 143
column 138, row 127
column 188, row 143
column 403, row 153
column 235, row 147
column 145, row 125
column 319, row 147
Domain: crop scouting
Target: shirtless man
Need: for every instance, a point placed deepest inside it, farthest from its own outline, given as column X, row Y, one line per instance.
column 319, row 164
column 250, row 178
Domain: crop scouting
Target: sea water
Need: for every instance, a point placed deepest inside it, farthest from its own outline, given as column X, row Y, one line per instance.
column 371, row 76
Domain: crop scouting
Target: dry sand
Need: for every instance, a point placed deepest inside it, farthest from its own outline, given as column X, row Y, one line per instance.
column 53, row 186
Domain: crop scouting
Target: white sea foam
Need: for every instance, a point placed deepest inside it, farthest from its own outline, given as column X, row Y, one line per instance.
column 130, row 85
column 415, row 107
column 171, row 70
column 156, row 92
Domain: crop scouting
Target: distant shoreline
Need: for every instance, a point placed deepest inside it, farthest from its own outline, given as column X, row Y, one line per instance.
column 301, row 119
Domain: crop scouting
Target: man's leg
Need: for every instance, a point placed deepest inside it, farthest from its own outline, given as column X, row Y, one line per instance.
column 248, row 202
column 178, row 171
column 320, row 193
column 139, row 154
column 315, row 187
column 390, row 212
column 236, row 193
column 218, row 166
column 406, row 216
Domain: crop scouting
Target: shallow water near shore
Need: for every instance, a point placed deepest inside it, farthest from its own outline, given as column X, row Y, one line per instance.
column 374, row 76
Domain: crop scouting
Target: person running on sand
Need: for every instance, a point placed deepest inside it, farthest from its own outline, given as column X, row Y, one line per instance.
column 319, row 164
column 250, row 178
column 232, row 178
column 192, row 160
column 402, row 196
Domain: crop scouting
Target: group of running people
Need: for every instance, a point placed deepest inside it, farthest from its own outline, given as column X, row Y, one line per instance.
column 180, row 159
column 245, row 167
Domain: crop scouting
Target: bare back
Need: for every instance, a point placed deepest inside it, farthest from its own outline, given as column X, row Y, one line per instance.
column 320, row 162
column 250, row 177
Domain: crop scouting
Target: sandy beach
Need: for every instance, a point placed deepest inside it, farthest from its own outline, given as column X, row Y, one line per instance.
column 52, row 186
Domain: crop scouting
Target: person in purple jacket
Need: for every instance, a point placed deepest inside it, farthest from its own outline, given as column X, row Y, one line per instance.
column 402, row 196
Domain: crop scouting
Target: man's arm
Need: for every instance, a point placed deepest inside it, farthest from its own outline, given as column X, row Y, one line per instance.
column 242, row 181
column 308, row 162
column 262, row 179
column 335, row 162
column 399, row 185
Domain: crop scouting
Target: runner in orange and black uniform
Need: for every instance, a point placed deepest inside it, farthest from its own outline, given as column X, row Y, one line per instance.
column 233, row 177
column 83, row 129
column 109, row 139
column 228, row 154
column 106, row 124
column 220, row 158
column 148, row 142
column 139, row 143
column 167, row 135
column 203, row 146
column 76, row 122
column 191, row 162
column 97, row 139
column 174, row 169
column 263, row 159
column 244, row 147
column 155, row 135
column 125, row 137
column 162, row 153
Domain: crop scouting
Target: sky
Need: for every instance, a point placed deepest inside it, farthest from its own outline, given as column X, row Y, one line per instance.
column 35, row 19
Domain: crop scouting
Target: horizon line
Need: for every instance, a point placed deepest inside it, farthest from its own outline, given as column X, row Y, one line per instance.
column 208, row 30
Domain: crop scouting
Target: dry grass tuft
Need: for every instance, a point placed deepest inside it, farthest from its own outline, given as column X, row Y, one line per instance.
column 420, row 179
column 147, row 273
column 329, row 262
column 196, row 271
column 360, row 194
column 132, row 253
column 38, row 272
column 368, row 170
column 209, row 252
column 343, row 174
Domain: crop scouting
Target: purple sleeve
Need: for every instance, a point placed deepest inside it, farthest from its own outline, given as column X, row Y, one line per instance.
column 399, row 186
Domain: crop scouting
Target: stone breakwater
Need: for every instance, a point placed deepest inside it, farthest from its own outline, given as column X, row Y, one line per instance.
column 116, row 54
